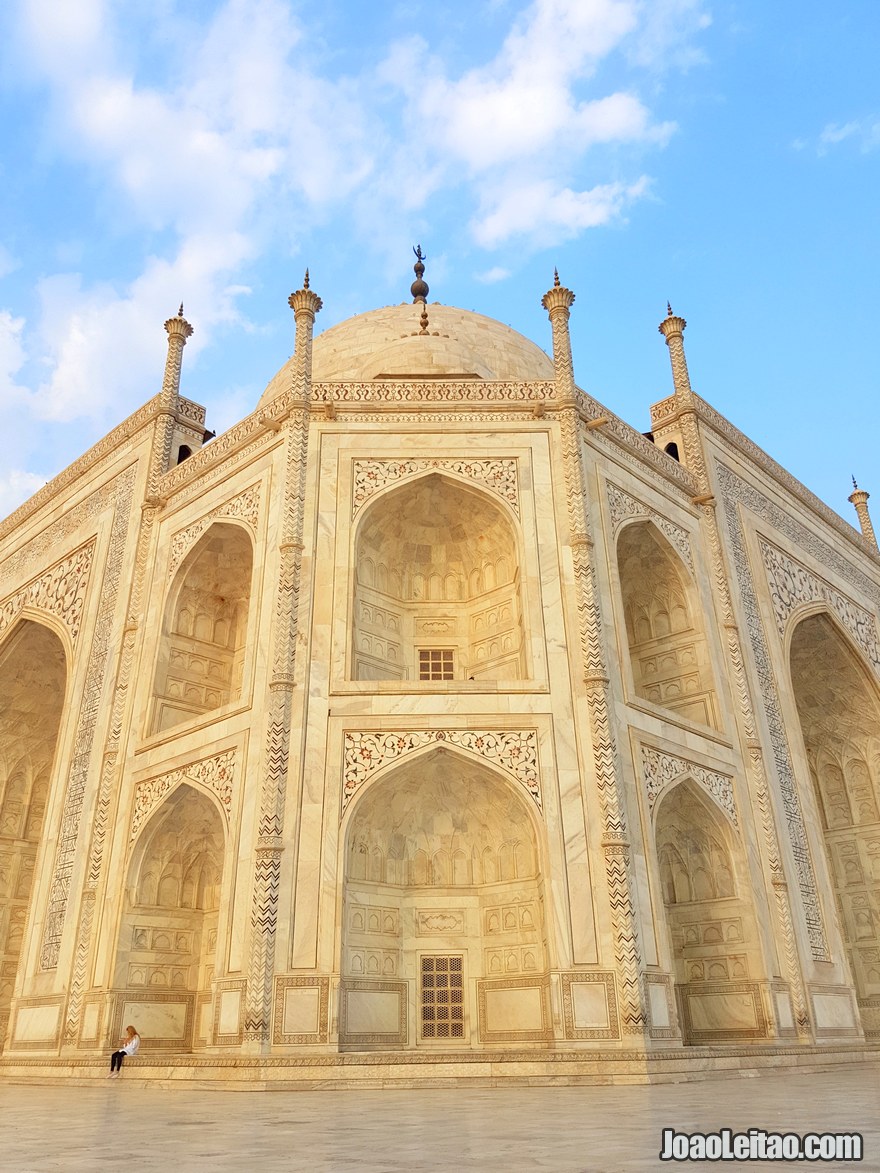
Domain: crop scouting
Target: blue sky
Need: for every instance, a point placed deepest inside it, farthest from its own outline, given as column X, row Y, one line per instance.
column 724, row 155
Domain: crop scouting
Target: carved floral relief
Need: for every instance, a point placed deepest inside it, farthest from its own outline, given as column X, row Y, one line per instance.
column 660, row 770
column 500, row 476
column 623, row 507
column 514, row 751
column 216, row 774
column 792, row 585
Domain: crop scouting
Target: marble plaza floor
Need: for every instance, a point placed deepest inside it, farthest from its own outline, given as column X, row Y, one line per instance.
column 126, row 1124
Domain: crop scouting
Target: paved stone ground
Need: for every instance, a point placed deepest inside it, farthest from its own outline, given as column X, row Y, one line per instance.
column 126, row 1125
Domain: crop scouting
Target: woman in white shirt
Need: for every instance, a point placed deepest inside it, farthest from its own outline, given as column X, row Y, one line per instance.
column 130, row 1041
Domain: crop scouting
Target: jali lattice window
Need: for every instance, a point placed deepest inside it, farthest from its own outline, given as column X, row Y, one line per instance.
column 435, row 664
column 442, row 998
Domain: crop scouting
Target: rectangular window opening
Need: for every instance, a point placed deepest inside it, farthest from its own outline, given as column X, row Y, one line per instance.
column 436, row 664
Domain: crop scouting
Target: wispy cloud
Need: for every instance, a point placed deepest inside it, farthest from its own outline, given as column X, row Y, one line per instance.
column 862, row 133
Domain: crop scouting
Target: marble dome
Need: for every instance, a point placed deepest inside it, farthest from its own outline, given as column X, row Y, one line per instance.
column 388, row 344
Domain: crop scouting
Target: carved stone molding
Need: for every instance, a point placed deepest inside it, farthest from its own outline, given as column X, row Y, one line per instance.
column 734, row 493
column 190, row 410
column 243, row 507
column 660, row 770
column 623, row 507
column 216, row 774
column 433, row 391
column 513, row 750
column 792, row 585
column 60, row 590
column 500, row 476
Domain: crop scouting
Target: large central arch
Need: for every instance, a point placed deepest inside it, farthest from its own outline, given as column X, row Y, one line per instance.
column 443, row 938
column 437, row 593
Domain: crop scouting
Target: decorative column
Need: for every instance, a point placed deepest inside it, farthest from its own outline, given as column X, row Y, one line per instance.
column 267, row 868
column 178, row 330
column 859, row 498
column 615, row 841
column 672, row 328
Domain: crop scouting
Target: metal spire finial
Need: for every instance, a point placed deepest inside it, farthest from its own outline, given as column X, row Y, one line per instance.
column 306, row 280
column 419, row 287
column 669, row 309
column 555, row 277
column 180, row 311
column 855, row 483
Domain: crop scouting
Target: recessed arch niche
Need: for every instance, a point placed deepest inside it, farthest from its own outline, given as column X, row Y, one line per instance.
column 33, row 678
column 710, row 916
column 668, row 650
column 168, row 933
column 437, row 592
column 839, row 714
column 201, row 653
column 441, row 860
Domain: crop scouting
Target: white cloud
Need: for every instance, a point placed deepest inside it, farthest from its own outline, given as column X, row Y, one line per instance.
column 865, row 131
column 493, row 275
column 540, row 210
column 666, row 34
column 524, row 102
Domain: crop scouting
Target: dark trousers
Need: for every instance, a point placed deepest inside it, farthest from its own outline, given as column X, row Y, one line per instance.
column 116, row 1060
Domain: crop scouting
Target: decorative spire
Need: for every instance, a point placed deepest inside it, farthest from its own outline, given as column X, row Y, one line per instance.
column 423, row 321
column 305, row 305
column 859, row 498
column 672, row 328
column 558, row 302
column 419, row 287
column 180, row 311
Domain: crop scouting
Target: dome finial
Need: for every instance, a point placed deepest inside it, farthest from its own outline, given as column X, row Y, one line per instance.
column 669, row 313
column 555, row 277
column 180, row 311
column 855, row 483
column 419, row 287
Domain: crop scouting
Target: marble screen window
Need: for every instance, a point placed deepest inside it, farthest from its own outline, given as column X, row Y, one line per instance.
column 442, row 998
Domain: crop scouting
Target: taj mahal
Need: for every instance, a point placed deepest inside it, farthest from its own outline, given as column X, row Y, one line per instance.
column 432, row 723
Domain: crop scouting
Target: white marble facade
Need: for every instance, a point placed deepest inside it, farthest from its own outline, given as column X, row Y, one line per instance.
column 433, row 708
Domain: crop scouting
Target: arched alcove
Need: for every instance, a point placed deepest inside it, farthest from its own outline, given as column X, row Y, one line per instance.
column 443, row 905
column 33, row 677
column 839, row 715
column 709, row 912
column 201, row 653
column 168, row 934
column 664, row 626
column 437, row 593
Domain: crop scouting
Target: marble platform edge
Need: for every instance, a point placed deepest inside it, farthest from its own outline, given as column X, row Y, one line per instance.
column 378, row 1070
